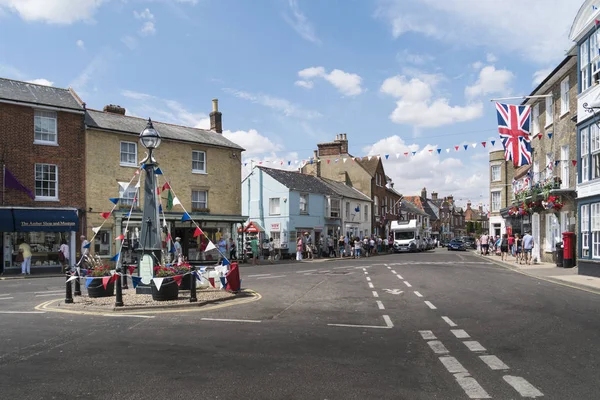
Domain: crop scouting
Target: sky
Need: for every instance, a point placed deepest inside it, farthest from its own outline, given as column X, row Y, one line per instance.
column 397, row 76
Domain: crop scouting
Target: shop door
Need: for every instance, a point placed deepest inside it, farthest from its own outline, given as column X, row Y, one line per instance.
column 535, row 232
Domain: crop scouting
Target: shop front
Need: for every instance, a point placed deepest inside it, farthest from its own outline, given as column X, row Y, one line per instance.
column 43, row 229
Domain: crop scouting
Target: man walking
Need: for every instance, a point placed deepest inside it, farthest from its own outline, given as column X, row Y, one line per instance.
column 527, row 247
column 484, row 244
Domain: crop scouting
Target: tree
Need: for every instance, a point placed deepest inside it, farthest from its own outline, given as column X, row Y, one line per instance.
column 470, row 227
column 478, row 228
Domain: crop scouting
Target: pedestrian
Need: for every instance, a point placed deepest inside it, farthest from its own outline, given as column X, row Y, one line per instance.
column 330, row 246
column 357, row 245
column 85, row 246
column 63, row 255
column 341, row 245
column 232, row 249
column 518, row 248
column 484, row 244
column 254, row 247
column 178, row 250
column 504, row 247
column 511, row 245
column 299, row 249
column 527, row 247
column 25, row 251
column 271, row 251
column 222, row 247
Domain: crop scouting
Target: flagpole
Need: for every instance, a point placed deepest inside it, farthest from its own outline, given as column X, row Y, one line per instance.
column 522, row 97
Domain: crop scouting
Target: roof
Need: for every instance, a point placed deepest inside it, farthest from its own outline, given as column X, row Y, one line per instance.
column 427, row 208
column 346, row 191
column 299, row 182
column 33, row 94
column 133, row 125
column 369, row 165
column 568, row 62
column 392, row 190
column 410, row 207
column 416, row 200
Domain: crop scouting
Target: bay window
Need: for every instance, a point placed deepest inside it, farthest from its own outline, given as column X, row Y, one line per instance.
column 584, row 149
column 585, row 234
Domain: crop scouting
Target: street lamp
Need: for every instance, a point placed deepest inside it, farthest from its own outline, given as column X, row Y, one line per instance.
column 150, row 245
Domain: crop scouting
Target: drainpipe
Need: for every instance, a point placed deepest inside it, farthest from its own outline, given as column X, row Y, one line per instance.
column 260, row 199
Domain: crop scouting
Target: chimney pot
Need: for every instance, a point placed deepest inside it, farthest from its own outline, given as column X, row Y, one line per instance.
column 215, row 103
column 114, row 109
column 216, row 117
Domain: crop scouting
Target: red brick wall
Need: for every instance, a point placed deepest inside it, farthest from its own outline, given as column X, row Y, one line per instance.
column 20, row 155
column 330, row 149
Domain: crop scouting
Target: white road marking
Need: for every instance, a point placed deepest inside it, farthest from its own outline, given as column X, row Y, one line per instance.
column 308, row 270
column 427, row 335
column 418, row 294
column 407, row 284
column 269, row 277
column 375, row 294
column 460, row 333
column 253, row 276
column 389, row 267
column 393, row 291
column 524, row 388
column 5, row 294
column 493, row 362
column 430, row 305
column 325, row 271
column 471, row 387
column 22, row 312
column 368, row 279
column 128, row 315
column 49, row 294
column 399, row 276
column 452, row 365
column 371, row 285
column 50, row 291
column 386, row 318
column 474, row 345
column 380, row 305
column 6, row 298
column 393, row 272
column 364, row 269
column 449, row 321
column 230, row 320
column 366, row 273
column 438, row 347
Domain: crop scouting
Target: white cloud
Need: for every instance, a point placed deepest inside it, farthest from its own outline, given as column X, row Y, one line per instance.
column 540, row 75
column 80, row 44
column 491, row 81
column 300, row 23
column 96, row 67
column 304, row 84
column 53, row 11
column 148, row 29
column 346, row 83
column 130, row 42
column 414, row 58
column 491, row 58
column 479, row 24
column 252, row 141
column 283, row 106
column 477, row 65
column 416, row 107
column 41, row 81
column 146, row 14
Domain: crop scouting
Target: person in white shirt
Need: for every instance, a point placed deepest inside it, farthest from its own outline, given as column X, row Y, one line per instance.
column 64, row 259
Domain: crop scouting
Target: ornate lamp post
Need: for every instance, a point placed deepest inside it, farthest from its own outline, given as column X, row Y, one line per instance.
column 150, row 242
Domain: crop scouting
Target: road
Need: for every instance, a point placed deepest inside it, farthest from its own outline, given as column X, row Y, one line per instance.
column 435, row 325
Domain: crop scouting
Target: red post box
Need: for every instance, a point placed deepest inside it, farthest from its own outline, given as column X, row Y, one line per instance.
column 568, row 249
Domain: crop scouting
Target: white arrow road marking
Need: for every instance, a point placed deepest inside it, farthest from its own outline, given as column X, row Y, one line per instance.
column 386, row 318
column 524, row 388
column 393, row 291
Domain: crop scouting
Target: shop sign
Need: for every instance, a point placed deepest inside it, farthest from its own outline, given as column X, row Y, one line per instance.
column 275, row 227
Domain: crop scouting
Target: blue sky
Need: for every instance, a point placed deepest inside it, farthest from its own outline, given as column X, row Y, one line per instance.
column 394, row 75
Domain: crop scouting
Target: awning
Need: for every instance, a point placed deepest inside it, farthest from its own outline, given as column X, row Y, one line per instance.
column 7, row 222
column 35, row 220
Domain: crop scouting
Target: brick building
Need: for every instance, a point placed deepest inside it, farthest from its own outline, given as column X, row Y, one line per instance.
column 201, row 166
column 478, row 220
column 42, row 151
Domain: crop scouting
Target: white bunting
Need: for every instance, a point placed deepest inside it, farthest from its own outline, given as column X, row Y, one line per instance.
column 296, row 162
column 379, row 157
column 447, row 150
column 158, row 282
column 176, row 201
column 369, row 158
column 344, row 159
column 138, row 184
column 95, row 230
column 124, row 185
column 397, row 155
column 72, row 278
column 474, row 145
column 210, row 246
column 337, row 159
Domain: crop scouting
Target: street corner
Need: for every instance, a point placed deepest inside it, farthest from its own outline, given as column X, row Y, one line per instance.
column 80, row 307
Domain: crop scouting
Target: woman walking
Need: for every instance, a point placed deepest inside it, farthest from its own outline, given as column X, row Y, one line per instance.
column 504, row 247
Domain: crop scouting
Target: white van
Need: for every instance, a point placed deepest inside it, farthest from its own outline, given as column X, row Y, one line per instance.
column 407, row 236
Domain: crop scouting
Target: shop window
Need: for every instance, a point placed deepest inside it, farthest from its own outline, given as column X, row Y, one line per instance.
column 198, row 162
column 45, row 127
column 303, row 203
column 46, row 182
column 44, row 246
column 276, row 236
column 274, row 208
column 595, row 227
column 199, row 199
column 585, row 230
column 552, row 232
column 128, row 154
column 102, row 243
column 128, row 197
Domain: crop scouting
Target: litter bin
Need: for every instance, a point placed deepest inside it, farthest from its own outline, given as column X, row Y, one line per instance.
column 559, row 254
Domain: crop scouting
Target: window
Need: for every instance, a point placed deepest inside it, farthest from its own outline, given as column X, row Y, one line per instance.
column 495, row 173
column 276, row 236
column 549, row 110
column 303, row 203
column 549, row 165
column 198, row 162
column 594, row 55
column 536, row 119
column 496, row 201
column 585, row 234
column 46, row 182
column 128, row 197
column 102, row 243
column 564, row 167
column 552, row 232
column 376, row 205
column 585, row 149
column 335, row 211
column 366, row 213
column 584, row 63
column 274, row 206
column 44, row 127
column 595, row 227
column 564, row 96
column 536, row 171
column 129, row 154
column 595, row 150
column 347, row 210
column 199, row 199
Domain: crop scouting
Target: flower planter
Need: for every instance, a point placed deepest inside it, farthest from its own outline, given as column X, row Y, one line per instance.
column 168, row 290
column 96, row 288
column 186, row 282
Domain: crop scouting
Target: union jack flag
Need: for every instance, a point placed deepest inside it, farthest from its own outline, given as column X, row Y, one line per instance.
column 513, row 126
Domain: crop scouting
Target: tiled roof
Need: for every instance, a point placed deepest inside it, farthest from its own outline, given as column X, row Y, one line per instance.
column 346, row 191
column 427, row 208
column 32, row 94
column 416, row 200
column 126, row 124
column 299, row 182
column 410, row 207
column 369, row 165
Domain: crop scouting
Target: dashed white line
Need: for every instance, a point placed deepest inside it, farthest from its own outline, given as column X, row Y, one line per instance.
column 307, row 270
column 418, row 294
column 471, row 387
column 368, row 279
column 366, row 273
column 430, row 305
column 48, row 294
column 393, row 272
column 449, row 321
column 254, row 276
column 364, row 269
column 4, row 294
column 460, row 333
column 452, row 365
column 427, row 335
column 375, row 294
column 438, row 347
column 22, row 312
column 50, row 291
column 389, row 267
column 407, row 284
column 128, row 315
column 474, row 345
column 493, row 362
column 230, row 320
column 399, row 276
column 524, row 388
column 371, row 285
column 270, row 277
column 380, row 305
column 7, row 298
column 341, row 267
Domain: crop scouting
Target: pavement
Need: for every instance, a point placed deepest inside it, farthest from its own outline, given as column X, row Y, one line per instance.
column 434, row 325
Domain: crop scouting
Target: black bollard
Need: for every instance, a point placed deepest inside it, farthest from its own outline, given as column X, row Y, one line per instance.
column 124, row 277
column 69, row 293
column 193, row 297
column 119, row 297
column 77, row 284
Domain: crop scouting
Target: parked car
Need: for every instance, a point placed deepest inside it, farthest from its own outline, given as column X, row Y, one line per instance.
column 469, row 242
column 457, row 244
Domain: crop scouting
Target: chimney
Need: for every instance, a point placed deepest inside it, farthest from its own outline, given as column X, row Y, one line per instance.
column 318, row 164
column 469, row 205
column 481, row 208
column 451, row 199
column 344, row 143
column 114, row 109
column 216, row 122
column 424, row 193
column 434, row 196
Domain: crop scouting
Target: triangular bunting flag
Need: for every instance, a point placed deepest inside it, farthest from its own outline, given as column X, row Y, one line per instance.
column 431, row 150
column 447, row 150
column 138, row 184
column 158, row 282
column 136, row 280
column 178, row 278
column 158, row 191
column 223, row 282
column 106, row 280
column 474, row 145
column 414, row 152
column 368, row 158
column 72, row 278
column 128, row 214
column 166, row 186
column 158, row 171
column 397, row 155
column 124, row 185
column 540, row 136
column 406, row 154
column 88, row 281
column 439, row 151
column 493, row 142
column 114, row 278
column 87, row 246
column 328, row 161
column 466, row 146
column 210, row 246
column 456, row 148
column 289, row 163
column 226, row 262
column 212, row 282
column 114, row 200
column 96, row 230
column 105, row 215
column 115, row 257
column 483, row 144
column 233, row 278
column 130, row 269
column 185, row 217
column 556, row 162
column 160, row 209
column 120, row 237
column 387, row 156
column 197, row 232
column 176, row 201
column 574, row 162
column 549, row 135
column 378, row 157
column 344, row 159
